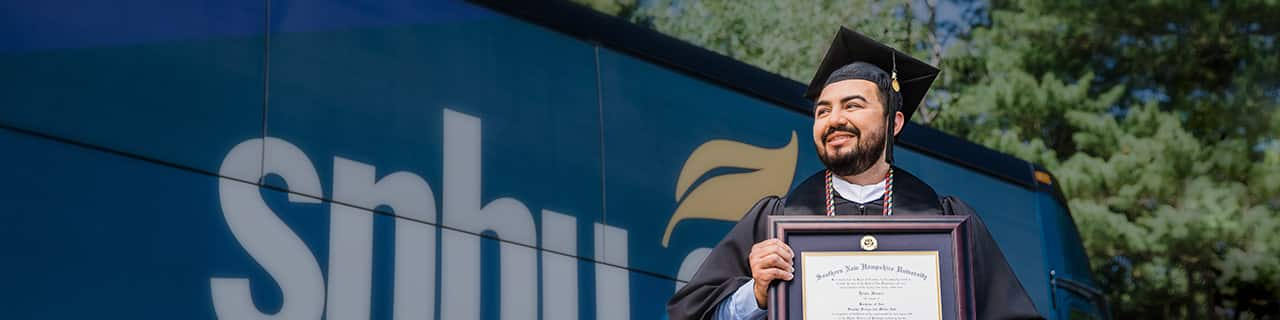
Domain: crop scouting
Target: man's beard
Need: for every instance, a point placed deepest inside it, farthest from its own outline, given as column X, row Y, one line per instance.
column 865, row 152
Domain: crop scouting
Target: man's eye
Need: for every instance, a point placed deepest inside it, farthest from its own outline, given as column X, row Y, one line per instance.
column 821, row 111
column 852, row 106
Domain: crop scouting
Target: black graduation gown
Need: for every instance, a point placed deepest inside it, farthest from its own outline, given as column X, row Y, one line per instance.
column 997, row 292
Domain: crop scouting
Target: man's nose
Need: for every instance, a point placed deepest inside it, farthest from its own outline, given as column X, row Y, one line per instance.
column 838, row 119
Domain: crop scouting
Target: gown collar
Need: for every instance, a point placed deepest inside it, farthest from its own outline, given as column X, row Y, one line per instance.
column 911, row 196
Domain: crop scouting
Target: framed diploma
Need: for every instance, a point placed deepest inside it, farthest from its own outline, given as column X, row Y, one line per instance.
column 873, row 268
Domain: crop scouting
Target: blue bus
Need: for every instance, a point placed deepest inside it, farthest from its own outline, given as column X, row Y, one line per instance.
column 439, row 159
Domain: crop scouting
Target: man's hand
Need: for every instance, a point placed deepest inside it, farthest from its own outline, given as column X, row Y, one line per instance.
column 770, row 260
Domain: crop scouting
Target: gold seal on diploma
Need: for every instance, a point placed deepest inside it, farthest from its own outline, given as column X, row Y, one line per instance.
column 869, row 243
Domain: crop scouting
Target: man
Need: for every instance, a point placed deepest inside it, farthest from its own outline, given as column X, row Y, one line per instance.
column 859, row 108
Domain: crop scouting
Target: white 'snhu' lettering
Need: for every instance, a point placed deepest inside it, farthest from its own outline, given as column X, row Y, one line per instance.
column 289, row 262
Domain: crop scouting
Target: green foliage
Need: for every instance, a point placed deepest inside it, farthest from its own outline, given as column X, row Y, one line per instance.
column 1161, row 137
column 766, row 33
column 614, row 7
column 1157, row 117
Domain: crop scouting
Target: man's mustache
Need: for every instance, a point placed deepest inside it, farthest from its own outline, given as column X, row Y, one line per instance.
column 850, row 129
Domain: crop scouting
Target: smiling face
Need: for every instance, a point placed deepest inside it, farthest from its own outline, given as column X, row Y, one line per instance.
column 848, row 126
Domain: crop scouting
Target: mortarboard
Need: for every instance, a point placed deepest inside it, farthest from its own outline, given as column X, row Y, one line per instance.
column 903, row 80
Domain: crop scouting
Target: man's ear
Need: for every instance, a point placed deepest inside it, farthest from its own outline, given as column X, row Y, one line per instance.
column 898, row 120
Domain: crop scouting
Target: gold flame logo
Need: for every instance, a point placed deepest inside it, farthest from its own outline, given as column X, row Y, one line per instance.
column 727, row 196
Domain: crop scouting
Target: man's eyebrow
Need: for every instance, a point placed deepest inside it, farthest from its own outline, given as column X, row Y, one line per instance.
column 842, row 101
column 853, row 97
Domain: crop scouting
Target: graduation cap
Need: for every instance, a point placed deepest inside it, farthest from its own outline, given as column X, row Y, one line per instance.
column 902, row 80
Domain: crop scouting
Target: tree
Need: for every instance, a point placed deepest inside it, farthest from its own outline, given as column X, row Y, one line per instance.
column 1164, row 155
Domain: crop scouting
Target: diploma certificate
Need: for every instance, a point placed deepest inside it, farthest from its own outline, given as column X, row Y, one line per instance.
column 871, row 285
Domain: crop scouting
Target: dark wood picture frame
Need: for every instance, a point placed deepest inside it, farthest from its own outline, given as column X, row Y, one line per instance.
column 946, row 234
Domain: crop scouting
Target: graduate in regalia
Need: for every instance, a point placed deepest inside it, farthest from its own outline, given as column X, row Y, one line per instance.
column 863, row 94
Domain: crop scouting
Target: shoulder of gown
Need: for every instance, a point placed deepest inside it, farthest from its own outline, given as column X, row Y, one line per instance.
column 726, row 268
column 998, row 294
